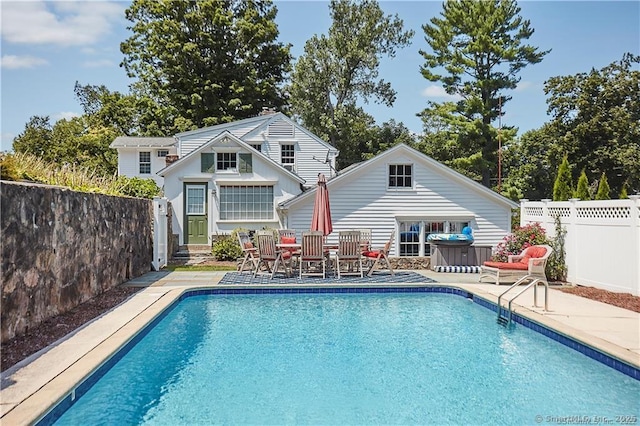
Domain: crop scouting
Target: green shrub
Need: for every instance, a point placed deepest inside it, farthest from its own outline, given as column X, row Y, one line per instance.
column 562, row 186
column 582, row 190
column 603, row 189
column 137, row 187
column 226, row 248
column 8, row 167
column 521, row 238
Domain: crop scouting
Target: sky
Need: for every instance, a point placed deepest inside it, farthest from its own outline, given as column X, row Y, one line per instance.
column 47, row 46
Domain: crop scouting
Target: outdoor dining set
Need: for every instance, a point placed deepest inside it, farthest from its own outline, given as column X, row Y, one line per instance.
column 311, row 255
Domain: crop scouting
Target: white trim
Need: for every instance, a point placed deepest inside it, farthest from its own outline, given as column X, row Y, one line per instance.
column 246, row 182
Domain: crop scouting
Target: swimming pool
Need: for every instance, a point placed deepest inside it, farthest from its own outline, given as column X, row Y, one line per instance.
column 354, row 358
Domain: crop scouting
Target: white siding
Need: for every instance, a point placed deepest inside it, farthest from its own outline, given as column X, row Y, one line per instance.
column 363, row 201
column 285, row 187
column 128, row 163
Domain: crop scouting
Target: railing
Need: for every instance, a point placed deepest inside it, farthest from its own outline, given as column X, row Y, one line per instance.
column 507, row 320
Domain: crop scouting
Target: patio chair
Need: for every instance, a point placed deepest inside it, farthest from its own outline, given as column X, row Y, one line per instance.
column 312, row 252
column 269, row 255
column 249, row 250
column 288, row 236
column 349, row 253
column 531, row 262
column 380, row 256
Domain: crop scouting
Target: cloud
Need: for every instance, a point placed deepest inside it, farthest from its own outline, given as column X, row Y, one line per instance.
column 14, row 62
column 524, row 86
column 102, row 63
column 66, row 23
column 439, row 92
column 66, row 115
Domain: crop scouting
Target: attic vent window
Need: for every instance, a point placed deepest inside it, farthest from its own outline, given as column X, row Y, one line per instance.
column 163, row 152
column 281, row 129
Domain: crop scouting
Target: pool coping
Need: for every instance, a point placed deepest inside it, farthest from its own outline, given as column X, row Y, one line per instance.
column 76, row 357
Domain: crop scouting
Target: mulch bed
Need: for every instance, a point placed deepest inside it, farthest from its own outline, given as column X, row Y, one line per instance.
column 622, row 300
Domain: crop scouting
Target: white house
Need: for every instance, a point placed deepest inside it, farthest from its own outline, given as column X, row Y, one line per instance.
column 405, row 192
column 143, row 157
column 231, row 175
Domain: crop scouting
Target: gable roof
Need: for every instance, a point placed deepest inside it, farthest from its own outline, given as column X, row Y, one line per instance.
column 252, row 126
column 238, row 141
column 142, row 142
column 347, row 173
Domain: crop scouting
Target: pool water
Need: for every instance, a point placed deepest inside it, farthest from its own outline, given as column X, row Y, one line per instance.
column 348, row 359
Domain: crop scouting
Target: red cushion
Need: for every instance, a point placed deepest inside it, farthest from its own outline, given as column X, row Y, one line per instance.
column 286, row 254
column 288, row 240
column 374, row 253
column 248, row 245
column 507, row 265
column 534, row 252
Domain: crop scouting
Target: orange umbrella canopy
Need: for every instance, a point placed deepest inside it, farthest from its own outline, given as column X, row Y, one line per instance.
column 321, row 219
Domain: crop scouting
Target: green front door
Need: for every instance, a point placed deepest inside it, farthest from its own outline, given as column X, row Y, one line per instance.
column 196, row 213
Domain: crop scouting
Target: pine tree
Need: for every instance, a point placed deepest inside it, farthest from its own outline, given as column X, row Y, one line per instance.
column 603, row 189
column 582, row 190
column 623, row 192
column 562, row 186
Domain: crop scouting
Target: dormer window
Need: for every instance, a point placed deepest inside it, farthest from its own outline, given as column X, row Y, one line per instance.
column 226, row 160
column 163, row 152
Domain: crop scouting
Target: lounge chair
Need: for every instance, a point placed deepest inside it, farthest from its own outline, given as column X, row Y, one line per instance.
column 270, row 256
column 531, row 262
column 312, row 252
column 380, row 256
column 249, row 250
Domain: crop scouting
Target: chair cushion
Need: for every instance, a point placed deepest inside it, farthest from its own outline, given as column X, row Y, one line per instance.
column 248, row 245
column 519, row 266
column 372, row 253
column 534, row 252
column 288, row 240
column 286, row 254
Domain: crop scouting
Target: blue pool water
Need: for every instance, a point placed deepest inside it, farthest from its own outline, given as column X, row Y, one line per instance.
column 348, row 359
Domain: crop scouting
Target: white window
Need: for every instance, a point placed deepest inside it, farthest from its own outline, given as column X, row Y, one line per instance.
column 288, row 156
column 246, row 202
column 400, row 176
column 145, row 163
column 163, row 152
column 257, row 147
column 226, row 160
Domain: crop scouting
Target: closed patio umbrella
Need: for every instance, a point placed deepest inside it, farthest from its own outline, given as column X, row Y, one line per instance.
column 321, row 219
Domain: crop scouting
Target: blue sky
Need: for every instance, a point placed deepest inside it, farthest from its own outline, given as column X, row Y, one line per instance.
column 48, row 46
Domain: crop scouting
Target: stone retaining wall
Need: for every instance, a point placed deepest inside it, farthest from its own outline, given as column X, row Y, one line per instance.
column 61, row 248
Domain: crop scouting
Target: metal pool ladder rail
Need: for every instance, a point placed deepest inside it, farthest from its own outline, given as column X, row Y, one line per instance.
column 505, row 321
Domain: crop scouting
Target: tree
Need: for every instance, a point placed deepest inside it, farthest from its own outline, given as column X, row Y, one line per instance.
column 36, row 138
column 477, row 51
column 337, row 70
column 530, row 164
column 387, row 136
column 206, row 62
column 603, row 189
column 562, row 187
column 582, row 189
column 72, row 142
column 596, row 119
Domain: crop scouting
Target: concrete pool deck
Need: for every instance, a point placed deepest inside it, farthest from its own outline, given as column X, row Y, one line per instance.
column 34, row 385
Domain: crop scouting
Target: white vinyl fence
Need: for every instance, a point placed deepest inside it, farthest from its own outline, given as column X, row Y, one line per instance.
column 602, row 243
